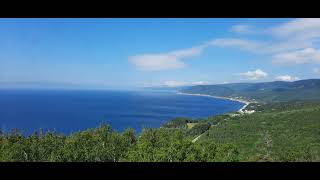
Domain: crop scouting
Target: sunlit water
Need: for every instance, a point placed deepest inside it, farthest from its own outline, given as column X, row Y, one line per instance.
column 69, row 111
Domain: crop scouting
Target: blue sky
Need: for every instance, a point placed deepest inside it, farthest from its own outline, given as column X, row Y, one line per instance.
column 127, row 53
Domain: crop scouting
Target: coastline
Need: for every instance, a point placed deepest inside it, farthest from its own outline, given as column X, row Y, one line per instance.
column 246, row 103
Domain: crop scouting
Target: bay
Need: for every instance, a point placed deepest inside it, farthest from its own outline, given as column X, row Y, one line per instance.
column 67, row 111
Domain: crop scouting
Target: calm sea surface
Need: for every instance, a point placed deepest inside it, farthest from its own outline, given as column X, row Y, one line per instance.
column 69, row 111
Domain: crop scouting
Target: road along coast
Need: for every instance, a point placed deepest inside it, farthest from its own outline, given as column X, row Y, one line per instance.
column 246, row 103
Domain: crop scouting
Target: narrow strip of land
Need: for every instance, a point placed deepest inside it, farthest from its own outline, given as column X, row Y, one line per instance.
column 195, row 139
column 246, row 103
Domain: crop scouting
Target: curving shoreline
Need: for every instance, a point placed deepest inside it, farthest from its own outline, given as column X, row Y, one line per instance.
column 246, row 103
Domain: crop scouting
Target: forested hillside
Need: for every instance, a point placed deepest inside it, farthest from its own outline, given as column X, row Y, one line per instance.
column 267, row 92
column 279, row 132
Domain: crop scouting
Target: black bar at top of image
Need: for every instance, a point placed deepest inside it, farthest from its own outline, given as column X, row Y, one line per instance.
column 156, row 9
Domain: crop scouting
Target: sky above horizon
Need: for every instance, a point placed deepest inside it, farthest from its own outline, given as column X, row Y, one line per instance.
column 128, row 53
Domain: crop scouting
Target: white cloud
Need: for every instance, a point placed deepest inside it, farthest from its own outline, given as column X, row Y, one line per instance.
column 295, row 35
column 181, row 83
column 303, row 28
column 187, row 52
column 174, row 59
column 242, row 29
column 156, row 62
column 293, row 44
column 260, row 47
column 308, row 55
column 200, row 83
column 254, row 75
column 284, row 46
column 286, row 78
column 238, row 43
column 246, row 29
column 165, row 61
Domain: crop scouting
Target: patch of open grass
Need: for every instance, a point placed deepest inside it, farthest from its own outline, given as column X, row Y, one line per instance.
column 191, row 125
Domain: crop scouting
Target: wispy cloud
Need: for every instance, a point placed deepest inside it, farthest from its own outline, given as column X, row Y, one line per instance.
column 200, row 83
column 254, row 75
column 165, row 61
column 244, row 44
column 246, row 29
column 173, row 83
column 291, row 43
column 286, row 78
column 183, row 83
column 242, row 29
column 303, row 29
column 156, row 62
column 261, row 47
column 308, row 55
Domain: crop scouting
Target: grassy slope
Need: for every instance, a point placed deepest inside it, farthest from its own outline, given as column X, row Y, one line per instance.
column 282, row 132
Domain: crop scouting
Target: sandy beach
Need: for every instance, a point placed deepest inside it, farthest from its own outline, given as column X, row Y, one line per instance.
column 246, row 103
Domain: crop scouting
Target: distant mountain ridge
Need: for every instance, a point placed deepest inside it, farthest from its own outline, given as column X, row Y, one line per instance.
column 277, row 91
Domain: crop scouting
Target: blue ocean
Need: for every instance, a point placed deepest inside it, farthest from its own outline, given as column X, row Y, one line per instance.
column 67, row 111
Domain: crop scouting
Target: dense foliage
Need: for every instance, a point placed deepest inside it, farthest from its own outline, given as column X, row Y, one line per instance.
column 173, row 146
column 280, row 132
column 215, row 120
column 99, row 144
column 179, row 122
column 102, row 144
column 199, row 128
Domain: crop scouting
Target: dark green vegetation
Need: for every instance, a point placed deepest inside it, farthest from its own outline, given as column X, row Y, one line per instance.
column 276, row 132
column 178, row 123
column 103, row 144
column 99, row 144
column 280, row 132
column 171, row 145
column 267, row 92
